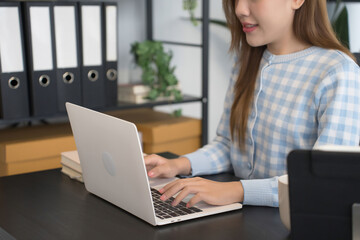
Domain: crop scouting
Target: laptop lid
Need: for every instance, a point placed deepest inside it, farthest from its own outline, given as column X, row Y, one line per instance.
column 323, row 187
column 111, row 160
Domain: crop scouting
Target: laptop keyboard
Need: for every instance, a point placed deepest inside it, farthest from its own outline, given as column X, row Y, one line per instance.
column 164, row 209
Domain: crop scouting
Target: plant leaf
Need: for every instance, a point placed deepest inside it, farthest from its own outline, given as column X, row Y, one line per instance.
column 153, row 94
column 157, row 72
column 177, row 94
column 177, row 112
column 341, row 27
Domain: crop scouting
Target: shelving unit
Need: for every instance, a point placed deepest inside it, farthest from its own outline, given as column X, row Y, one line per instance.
column 186, row 98
column 205, row 55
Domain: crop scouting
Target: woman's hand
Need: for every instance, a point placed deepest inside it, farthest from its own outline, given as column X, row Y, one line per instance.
column 211, row 192
column 157, row 166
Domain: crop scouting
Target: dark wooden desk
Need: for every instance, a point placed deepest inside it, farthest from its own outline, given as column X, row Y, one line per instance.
column 49, row 205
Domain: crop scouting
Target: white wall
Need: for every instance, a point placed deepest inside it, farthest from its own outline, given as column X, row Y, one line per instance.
column 171, row 24
column 131, row 25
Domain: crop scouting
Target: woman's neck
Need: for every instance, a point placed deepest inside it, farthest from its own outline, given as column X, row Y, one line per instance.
column 287, row 46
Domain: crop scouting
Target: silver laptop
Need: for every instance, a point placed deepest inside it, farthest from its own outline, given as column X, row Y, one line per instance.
column 113, row 169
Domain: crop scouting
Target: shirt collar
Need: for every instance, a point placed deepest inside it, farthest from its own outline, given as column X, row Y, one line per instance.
column 272, row 58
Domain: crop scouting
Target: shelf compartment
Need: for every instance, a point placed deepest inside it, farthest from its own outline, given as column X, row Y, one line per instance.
column 119, row 106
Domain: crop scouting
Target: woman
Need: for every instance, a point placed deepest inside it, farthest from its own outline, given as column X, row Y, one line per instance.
column 296, row 87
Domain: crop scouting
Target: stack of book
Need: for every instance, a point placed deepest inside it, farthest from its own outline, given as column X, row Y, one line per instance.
column 137, row 93
column 71, row 165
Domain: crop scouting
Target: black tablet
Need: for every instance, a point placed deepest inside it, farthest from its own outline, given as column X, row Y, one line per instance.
column 323, row 188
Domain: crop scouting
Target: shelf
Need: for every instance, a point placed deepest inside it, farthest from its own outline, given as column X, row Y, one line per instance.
column 204, row 61
column 186, row 99
column 203, row 99
column 120, row 106
column 180, row 43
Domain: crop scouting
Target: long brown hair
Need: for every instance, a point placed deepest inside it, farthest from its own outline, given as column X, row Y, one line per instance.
column 311, row 25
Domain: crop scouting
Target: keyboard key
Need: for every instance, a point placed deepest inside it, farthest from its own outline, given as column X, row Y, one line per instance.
column 164, row 209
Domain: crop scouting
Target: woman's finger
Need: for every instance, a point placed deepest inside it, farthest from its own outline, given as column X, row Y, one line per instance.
column 194, row 200
column 152, row 160
column 184, row 193
column 174, row 187
column 158, row 171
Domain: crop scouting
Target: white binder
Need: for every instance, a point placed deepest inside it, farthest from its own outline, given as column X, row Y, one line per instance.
column 11, row 48
column 67, row 53
column 41, row 58
column 91, row 16
column 111, row 53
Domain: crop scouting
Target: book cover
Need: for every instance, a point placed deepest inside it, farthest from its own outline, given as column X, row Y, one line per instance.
column 133, row 89
column 139, row 89
column 141, row 98
column 71, row 160
column 72, row 173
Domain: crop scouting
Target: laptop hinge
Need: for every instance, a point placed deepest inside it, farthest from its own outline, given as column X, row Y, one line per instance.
column 356, row 221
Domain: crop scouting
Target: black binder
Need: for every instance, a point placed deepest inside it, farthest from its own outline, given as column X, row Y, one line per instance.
column 67, row 47
column 110, row 52
column 13, row 88
column 323, row 187
column 92, row 65
column 41, row 57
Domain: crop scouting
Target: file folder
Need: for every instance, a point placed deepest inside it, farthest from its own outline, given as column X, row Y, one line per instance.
column 92, row 71
column 41, row 58
column 67, row 53
column 110, row 53
column 13, row 88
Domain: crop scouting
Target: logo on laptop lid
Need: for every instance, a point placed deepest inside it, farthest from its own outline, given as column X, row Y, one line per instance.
column 108, row 163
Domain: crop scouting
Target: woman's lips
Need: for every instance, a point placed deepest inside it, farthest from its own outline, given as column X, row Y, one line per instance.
column 247, row 27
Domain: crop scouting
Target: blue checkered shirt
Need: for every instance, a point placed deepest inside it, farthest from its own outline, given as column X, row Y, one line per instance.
column 301, row 100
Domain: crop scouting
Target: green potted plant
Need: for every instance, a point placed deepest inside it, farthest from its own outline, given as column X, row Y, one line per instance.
column 157, row 72
column 190, row 6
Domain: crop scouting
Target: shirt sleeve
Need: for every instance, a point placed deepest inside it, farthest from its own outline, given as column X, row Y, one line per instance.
column 215, row 157
column 338, row 101
column 261, row 192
